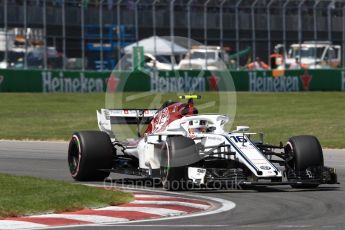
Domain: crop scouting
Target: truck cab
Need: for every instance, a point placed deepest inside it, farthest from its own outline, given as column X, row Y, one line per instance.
column 205, row 57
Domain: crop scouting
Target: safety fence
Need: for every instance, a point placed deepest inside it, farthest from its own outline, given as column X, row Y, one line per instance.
column 172, row 81
column 90, row 34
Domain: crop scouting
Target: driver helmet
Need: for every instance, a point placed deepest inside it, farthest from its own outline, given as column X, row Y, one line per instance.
column 197, row 126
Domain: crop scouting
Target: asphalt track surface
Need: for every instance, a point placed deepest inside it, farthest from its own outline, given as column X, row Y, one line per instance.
column 266, row 208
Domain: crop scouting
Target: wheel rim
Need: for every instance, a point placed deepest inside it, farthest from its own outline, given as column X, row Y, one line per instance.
column 290, row 151
column 74, row 155
column 166, row 162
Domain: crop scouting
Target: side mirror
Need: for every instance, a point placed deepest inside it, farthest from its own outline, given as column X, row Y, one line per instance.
column 242, row 128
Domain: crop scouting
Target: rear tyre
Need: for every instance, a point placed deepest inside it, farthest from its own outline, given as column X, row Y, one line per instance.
column 88, row 152
column 178, row 153
column 306, row 152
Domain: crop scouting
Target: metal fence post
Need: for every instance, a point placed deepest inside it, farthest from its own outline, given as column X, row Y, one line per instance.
column 154, row 34
column 189, row 30
column 253, row 28
column 63, row 18
column 118, row 31
column 284, row 31
column 329, row 19
column 315, row 18
column 82, row 25
column 268, row 12
column 45, row 58
column 221, row 32
column 6, row 34
column 172, row 24
column 315, row 25
column 343, row 46
column 136, row 22
column 101, row 33
column 205, row 30
column 237, row 33
column 300, row 26
column 25, row 34
column 154, row 27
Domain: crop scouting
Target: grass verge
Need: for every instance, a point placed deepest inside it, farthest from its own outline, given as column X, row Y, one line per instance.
column 22, row 195
column 278, row 115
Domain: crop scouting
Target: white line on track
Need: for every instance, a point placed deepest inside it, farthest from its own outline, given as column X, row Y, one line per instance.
column 11, row 224
column 151, row 196
column 156, row 211
column 88, row 218
column 164, row 202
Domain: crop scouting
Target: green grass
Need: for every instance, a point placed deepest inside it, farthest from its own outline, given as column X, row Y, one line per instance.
column 21, row 195
column 47, row 116
column 278, row 115
column 282, row 115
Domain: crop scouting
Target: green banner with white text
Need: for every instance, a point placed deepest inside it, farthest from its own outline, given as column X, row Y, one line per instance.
column 171, row 81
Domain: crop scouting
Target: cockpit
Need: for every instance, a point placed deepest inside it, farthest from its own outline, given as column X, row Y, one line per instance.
column 197, row 126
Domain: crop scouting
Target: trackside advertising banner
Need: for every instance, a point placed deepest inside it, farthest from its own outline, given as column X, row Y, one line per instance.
column 171, row 81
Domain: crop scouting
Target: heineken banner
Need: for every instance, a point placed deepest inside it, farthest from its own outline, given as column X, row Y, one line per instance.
column 171, row 81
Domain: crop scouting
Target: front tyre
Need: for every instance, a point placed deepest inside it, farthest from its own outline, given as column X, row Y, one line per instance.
column 88, row 152
column 306, row 152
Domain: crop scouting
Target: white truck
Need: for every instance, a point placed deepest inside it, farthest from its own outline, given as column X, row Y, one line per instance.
column 205, row 57
column 311, row 54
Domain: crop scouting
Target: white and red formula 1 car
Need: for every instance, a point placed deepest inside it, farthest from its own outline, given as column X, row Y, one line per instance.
column 184, row 148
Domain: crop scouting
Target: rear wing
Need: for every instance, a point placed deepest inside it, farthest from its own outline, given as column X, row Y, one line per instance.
column 108, row 117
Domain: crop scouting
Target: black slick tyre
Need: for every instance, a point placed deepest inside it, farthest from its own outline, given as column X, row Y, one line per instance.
column 306, row 152
column 88, row 152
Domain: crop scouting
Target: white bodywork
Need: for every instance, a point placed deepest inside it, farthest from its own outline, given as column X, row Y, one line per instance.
column 148, row 152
